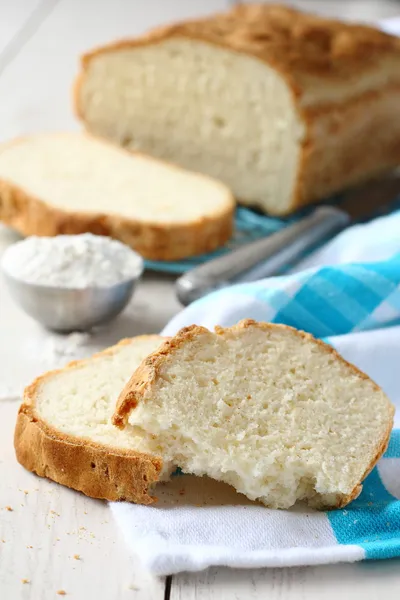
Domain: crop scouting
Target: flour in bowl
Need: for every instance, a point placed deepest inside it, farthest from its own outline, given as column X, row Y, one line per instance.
column 72, row 261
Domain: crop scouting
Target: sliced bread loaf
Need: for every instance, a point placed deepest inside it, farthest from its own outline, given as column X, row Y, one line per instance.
column 64, row 429
column 284, row 107
column 71, row 183
column 266, row 408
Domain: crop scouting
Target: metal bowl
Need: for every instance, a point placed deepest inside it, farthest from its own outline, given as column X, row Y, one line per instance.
column 69, row 309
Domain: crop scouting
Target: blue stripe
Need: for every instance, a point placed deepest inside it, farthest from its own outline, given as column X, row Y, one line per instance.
column 298, row 316
column 387, row 273
column 311, row 297
column 394, row 300
column 373, row 278
column 393, row 450
column 372, row 521
column 276, row 299
column 342, row 290
column 351, row 281
column 387, row 548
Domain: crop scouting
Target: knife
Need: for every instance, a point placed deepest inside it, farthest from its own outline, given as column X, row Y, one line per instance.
column 268, row 256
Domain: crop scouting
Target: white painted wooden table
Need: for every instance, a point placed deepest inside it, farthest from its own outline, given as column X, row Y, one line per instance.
column 53, row 539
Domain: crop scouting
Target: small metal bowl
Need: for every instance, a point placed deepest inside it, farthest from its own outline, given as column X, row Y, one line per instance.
column 71, row 309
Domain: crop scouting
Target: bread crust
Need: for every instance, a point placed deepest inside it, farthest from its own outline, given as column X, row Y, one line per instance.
column 296, row 43
column 344, row 80
column 30, row 215
column 148, row 372
column 97, row 470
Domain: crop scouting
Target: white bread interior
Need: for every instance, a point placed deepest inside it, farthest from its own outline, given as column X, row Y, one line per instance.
column 64, row 430
column 80, row 399
column 81, row 174
column 71, row 183
column 204, row 107
column 270, row 410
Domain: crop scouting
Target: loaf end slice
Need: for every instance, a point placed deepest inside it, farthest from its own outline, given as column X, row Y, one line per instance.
column 64, row 429
column 71, row 183
column 266, row 408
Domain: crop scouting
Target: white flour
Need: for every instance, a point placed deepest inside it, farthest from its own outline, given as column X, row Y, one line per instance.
column 50, row 352
column 64, row 348
column 72, row 261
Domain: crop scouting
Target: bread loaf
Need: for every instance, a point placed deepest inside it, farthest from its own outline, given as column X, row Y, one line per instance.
column 71, row 183
column 64, row 429
column 284, row 107
column 266, row 408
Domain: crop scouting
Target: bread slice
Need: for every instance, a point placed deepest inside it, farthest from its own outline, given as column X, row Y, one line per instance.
column 266, row 408
column 64, row 429
column 286, row 108
column 72, row 183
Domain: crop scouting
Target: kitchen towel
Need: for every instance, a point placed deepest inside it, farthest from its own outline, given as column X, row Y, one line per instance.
column 347, row 293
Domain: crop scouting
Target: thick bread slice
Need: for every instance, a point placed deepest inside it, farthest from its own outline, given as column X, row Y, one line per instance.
column 286, row 108
column 269, row 409
column 72, row 183
column 64, row 429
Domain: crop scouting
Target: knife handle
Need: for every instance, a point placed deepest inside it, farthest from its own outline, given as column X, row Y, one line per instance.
column 262, row 258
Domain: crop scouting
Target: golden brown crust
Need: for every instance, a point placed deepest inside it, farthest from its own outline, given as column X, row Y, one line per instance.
column 342, row 501
column 292, row 41
column 97, row 470
column 380, row 451
column 147, row 373
column 345, row 81
column 33, row 216
column 348, row 143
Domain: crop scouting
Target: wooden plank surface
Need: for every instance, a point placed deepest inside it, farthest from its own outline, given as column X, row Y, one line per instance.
column 361, row 581
column 14, row 17
column 36, row 88
column 53, row 539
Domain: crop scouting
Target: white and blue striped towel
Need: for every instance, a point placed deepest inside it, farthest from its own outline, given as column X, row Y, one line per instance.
column 348, row 293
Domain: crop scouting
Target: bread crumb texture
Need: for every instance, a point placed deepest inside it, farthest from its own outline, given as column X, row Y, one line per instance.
column 64, row 430
column 71, row 183
column 268, row 409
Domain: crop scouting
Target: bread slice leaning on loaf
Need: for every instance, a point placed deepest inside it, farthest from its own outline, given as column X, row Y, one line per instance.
column 67, row 183
column 266, row 408
column 64, row 429
column 286, row 108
